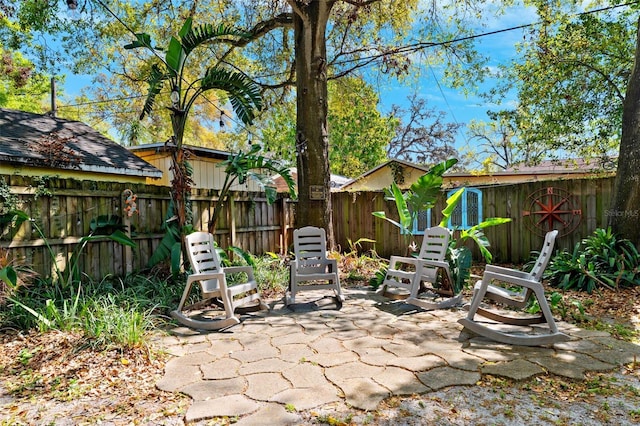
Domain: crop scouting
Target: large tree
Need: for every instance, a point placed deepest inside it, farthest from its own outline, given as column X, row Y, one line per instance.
column 625, row 210
column 497, row 146
column 422, row 135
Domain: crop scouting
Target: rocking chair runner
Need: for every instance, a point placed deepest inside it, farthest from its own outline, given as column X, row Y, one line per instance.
column 411, row 273
column 530, row 284
column 311, row 264
column 212, row 278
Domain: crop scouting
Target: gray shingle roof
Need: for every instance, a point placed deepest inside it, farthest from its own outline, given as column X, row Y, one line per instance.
column 21, row 132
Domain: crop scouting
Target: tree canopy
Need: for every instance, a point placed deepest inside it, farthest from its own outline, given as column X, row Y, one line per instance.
column 570, row 78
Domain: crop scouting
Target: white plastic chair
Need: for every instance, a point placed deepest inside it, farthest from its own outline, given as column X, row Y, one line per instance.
column 212, row 278
column 527, row 284
column 311, row 269
column 425, row 280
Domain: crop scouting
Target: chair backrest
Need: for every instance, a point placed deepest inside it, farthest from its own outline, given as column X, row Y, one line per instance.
column 202, row 253
column 435, row 243
column 310, row 246
column 544, row 256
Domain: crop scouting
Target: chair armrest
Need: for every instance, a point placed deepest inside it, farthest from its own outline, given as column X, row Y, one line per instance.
column 488, row 276
column 506, row 271
column 206, row 276
column 394, row 260
column 238, row 269
column 438, row 264
column 434, row 263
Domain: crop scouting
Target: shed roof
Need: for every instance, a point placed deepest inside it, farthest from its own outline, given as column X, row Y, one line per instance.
column 200, row 151
column 21, row 133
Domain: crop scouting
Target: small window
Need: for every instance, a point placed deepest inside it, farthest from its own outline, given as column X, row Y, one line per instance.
column 422, row 222
column 468, row 212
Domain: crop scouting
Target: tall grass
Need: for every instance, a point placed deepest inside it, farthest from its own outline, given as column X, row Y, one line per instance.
column 111, row 312
column 117, row 311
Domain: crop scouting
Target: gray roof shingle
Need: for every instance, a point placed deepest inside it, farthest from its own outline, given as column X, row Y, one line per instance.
column 21, row 132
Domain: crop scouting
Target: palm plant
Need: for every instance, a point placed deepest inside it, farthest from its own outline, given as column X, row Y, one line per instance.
column 422, row 195
column 243, row 95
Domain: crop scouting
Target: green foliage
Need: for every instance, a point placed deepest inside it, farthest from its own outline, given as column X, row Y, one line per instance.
column 71, row 272
column 110, row 321
column 567, row 309
column 358, row 132
column 420, row 196
column 8, row 202
column 460, row 261
column 271, row 272
column 22, row 88
column 600, row 260
column 458, row 255
column 109, row 315
column 243, row 166
column 571, row 76
column 170, row 247
column 378, row 278
column 244, row 94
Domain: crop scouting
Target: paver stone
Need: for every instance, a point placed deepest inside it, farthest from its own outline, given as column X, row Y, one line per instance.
column 231, row 405
column 264, row 386
column 443, row 377
column 210, row 389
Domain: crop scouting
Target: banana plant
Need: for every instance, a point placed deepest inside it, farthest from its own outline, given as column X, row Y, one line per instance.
column 459, row 255
column 421, row 195
column 242, row 93
column 243, row 166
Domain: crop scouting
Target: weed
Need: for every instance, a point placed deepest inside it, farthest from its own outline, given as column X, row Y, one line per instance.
column 24, row 356
column 290, row 408
column 271, row 272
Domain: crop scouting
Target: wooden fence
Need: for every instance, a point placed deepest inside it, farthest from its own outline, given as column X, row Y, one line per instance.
column 64, row 216
column 249, row 222
column 585, row 202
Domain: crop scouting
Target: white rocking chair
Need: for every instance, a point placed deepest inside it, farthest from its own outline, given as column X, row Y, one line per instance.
column 212, row 278
column 423, row 281
column 530, row 284
column 311, row 269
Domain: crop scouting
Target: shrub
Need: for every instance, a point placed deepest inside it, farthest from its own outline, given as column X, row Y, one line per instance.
column 600, row 260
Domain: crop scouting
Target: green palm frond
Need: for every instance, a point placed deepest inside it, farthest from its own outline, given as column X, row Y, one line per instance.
column 204, row 33
column 175, row 57
column 156, row 81
column 243, row 93
column 142, row 40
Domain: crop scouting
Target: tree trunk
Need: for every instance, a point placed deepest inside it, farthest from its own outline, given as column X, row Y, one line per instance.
column 625, row 209
column 312, row 139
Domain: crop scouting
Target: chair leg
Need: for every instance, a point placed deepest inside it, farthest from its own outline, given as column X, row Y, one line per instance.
column 338, row 291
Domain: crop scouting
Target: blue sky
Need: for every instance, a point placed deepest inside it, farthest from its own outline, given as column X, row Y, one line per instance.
column 458, row 107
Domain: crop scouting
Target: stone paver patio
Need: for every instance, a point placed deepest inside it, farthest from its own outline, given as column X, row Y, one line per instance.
column 368, row 350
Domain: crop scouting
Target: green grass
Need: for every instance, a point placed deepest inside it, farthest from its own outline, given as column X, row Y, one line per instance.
column 116, row 312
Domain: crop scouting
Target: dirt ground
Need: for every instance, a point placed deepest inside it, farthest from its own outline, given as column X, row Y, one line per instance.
column 55, row 378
